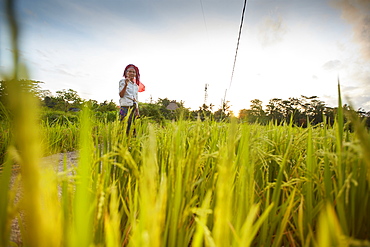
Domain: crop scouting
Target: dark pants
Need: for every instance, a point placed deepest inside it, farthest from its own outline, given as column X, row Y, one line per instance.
column 131, row 110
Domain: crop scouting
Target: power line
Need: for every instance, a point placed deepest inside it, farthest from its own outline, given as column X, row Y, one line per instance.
column 204, row 18
column 238, row 41
column 237, row 44
column 237, row 47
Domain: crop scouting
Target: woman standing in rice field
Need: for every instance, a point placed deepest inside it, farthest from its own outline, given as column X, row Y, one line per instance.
column 129, row 87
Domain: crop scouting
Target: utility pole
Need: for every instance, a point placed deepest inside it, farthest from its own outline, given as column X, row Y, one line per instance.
column 205, row 94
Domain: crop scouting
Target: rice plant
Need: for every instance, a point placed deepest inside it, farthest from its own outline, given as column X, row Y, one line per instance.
column 182, row 183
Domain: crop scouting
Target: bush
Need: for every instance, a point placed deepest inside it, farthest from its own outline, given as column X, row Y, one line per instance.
column 59, row 117
column 109, row 116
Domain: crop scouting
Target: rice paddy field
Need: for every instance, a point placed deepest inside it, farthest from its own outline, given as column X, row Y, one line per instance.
column 180, row 183
column 184, row 183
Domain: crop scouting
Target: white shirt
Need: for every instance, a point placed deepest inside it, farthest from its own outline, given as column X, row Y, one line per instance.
column 131, row 93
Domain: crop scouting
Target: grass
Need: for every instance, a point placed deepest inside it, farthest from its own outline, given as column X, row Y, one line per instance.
column 183, row 183
column 195, row 183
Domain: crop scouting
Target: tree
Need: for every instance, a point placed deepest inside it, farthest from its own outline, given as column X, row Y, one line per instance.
column 107, row 106
column 50, row 101
column 256, row 112
column 159, row 112
column 69, row 98
column 223, row 112
column 294, row 111
column 204, row 112
column 314, row 109
column 274, row 110
column 93, row 104
column 152, row 111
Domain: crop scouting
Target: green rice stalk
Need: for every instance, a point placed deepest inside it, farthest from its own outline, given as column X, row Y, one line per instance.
column 81, row 233
column 360, row 198
column 202, row 234
column 327, row 168
column 5, row 205
column 112, row 221
column 329, row 230
column 153, row 196
column 308, row 188
column 245, row 182
column 251, row 226
column 174, row 232
column 364, row 137
column 274, row 221
column 284, row 222
column 300, row 223
column 225, row 185
column 340, row 165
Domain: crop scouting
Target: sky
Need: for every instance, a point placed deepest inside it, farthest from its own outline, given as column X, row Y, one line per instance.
column 287, row 48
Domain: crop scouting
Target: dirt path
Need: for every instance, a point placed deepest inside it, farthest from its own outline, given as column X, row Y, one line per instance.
column 71, row 158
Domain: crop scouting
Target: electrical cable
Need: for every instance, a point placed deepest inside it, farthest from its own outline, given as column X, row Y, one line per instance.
column 204, row 18
column 237, row 45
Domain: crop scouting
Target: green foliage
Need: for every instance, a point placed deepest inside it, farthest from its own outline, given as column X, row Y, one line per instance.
column 106, row 116
column 5, row 138
column 152, row 111
column 159, row 111
column 106, row 106
column 185, row 183
column 59, row 117
column 255, row 114
column 214, row 182
column 204, row 113
column 63, row 101
column 298, row 111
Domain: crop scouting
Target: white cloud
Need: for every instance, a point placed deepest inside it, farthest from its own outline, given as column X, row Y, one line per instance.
column 332, row 65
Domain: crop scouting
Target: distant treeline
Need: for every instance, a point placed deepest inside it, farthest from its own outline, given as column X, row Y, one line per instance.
column 297, row 111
